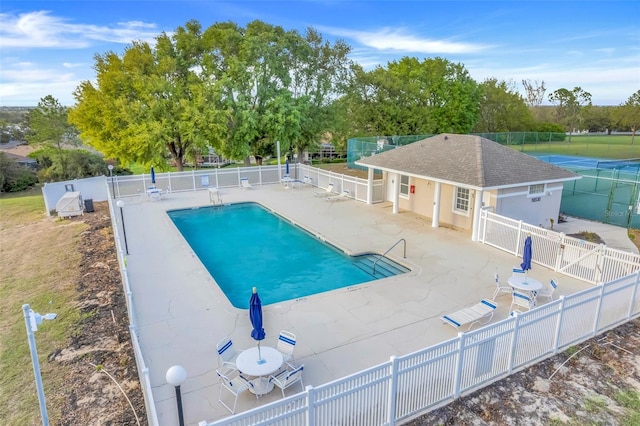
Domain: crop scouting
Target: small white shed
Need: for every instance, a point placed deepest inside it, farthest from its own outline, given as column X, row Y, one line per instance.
column 70, row 205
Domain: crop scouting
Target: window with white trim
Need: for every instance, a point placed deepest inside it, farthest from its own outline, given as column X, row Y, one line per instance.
column 463, row 196
column 536, row 190
column 404, row 185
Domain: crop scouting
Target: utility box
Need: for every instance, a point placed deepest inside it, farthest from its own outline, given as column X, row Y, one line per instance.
column 70, row 205
column 88, row 205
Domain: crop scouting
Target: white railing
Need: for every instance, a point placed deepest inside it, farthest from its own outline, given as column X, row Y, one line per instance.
column 591, row 262
column 143, row 370
column 414, row 384
column 195, row 180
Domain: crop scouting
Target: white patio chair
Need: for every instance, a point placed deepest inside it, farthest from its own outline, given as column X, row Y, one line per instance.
column 324, row 192
column 471, row 315
column 521, row 300
column 500, row 288
column 226, row 353
column 286, row 345
column 244, row 183
column 547, row 293
column 234, row 383
column 286, row 378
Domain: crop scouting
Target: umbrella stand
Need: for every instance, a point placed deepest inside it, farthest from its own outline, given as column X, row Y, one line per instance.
column 260, row 360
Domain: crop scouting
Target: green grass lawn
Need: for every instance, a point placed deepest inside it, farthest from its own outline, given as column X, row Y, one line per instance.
column 38, row 266
column 605, row 146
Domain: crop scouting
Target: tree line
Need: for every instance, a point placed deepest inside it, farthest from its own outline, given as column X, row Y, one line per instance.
column 240, row 90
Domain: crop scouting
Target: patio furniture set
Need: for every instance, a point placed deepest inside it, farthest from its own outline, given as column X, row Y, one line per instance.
column 258, row 369
column 525, row 293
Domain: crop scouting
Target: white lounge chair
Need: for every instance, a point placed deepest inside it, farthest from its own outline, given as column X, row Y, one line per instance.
column 547, row 293
column 234, row 383
column 500, row 288
column 471, row 315
column 344, row 194
column 323, row 193
column 287, row 378
column 244, row 183
column 286, row 345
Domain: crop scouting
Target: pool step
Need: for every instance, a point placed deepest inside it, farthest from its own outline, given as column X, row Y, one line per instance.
column 385, row 267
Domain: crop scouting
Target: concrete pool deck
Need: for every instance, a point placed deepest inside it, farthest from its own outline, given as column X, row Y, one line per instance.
column 181, row 313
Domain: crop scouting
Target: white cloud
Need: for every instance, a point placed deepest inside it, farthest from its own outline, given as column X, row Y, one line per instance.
column 388, row 39
column 41, row 30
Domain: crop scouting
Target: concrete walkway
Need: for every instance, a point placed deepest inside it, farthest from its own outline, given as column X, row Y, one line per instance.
column 181, row 313
column 613, row 236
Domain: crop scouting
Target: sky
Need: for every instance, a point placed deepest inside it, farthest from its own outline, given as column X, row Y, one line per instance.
column 49, row 47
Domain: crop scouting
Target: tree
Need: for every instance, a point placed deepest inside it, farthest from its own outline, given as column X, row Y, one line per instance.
column 413, row 97
column 502, row 109
column 150, row 101
column 534, row 94
column 628, row 114
column 568, row 106
column 597, row 118
column 13, row 176
column 49, row 128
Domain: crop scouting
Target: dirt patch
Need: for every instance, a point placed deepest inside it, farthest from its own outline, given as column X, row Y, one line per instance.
column 592, row 237
column 100, row 355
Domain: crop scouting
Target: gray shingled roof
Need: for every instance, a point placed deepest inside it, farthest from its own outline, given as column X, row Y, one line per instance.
column 467, row 159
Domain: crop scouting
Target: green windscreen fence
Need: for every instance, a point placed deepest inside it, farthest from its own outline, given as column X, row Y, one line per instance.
column 604, row 195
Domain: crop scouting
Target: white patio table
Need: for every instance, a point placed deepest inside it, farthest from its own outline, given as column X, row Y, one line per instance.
column 270, row 361
column 523, row 282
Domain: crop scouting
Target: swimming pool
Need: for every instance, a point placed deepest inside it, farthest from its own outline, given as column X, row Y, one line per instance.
column 244, row 245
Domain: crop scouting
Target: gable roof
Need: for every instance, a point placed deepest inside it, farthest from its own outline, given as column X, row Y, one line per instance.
column 468, row 160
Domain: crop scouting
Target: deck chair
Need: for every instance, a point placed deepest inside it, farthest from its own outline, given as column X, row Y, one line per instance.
column 226, row 353
column 341, row 196
column 521, row 300
column 471, row 315
column 500, row 288
column 323, row 193
column 244, row 183
column 286, row 345
column 547, row 293
column 234, row 383
column 286, row 378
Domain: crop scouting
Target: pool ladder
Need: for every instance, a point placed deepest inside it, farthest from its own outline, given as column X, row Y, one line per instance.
column 401, row 240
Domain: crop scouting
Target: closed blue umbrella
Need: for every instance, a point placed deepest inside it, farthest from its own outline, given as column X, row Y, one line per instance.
column 287, row 166
column 153, row 176
column 255, row 315
column 526, row 254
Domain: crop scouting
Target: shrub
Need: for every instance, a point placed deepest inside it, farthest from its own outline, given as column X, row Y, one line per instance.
column 15, row 177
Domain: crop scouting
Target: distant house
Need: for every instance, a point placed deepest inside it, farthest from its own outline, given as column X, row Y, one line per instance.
column 24, row 161
column 450, row 178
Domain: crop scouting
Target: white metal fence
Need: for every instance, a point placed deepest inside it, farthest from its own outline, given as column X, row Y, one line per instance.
column 143, row 370
column 123, row 186
column 591, row 262
column 417, row 383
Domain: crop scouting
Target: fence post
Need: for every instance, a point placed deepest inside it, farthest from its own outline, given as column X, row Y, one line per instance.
column 633, row 296
column 556, row 338
column 310, row 406
column 600, row 263
column 215, row 173
column 519, row 237
column 598, row 311
column 169, row 177
column 393, row 388
column 193, row 178
column 560, row 252
column 458, row 378
column 514, row 341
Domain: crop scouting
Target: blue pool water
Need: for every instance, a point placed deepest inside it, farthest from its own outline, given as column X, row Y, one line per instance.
column 244, row 245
